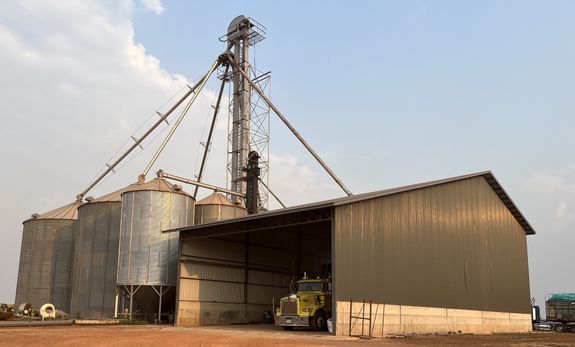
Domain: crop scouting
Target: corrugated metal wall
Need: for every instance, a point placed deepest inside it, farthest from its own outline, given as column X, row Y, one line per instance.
column 222, row 281
column 96, row 260
column 454, row 245
column 45, row 263
column 146, row 256
column 213, row 213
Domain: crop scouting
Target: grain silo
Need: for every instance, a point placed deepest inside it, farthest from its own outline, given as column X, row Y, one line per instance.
column 46, row 258
column 148, row 259
column 96, row 257
column 216, row 207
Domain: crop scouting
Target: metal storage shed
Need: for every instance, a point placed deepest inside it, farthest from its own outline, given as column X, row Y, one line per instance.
column 445, row 255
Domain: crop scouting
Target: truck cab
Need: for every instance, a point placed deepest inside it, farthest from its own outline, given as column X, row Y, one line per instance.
column 309, row 305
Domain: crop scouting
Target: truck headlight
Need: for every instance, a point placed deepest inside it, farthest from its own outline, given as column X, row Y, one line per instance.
column 306, row 309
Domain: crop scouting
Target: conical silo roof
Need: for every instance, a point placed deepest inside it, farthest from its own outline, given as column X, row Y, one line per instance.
column 115, row 196
column 157, row 184
column 216, row 199
column 69, row 211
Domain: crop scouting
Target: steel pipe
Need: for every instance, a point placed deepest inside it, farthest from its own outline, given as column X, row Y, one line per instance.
column 80, row 196
column 142, row 177
column 209, row 140
column 271, row 192
column 162, row 174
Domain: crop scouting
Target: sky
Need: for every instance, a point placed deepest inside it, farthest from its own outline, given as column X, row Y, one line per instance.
column 388, row 93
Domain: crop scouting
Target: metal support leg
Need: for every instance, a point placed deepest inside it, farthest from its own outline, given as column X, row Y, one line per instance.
column 131, row 300
column 160, row 307
column 132, row 292
column 116, row 304
column 160, row 293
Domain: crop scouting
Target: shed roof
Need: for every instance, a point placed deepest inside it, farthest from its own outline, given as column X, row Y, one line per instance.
column 487, row 175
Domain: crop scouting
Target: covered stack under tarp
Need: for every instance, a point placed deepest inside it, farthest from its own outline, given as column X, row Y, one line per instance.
column 560, row 307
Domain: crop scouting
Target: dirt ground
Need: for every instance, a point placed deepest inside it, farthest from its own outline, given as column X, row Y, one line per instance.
column 248, row 335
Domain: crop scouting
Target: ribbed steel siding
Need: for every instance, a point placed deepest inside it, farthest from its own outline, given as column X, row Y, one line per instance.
column 214, row 213
column 454, row 245
column 146, row 256
column 96, row 260
column 45, row 263
column 217, row 270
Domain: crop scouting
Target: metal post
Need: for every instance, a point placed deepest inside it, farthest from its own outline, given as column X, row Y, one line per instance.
column 116, row 304
column 246, row 266
column 383, row 319
column 131, row 299
column 160, row 306
column 370, row 317
column 209, row 140
column 350, row 314
column 362, row 317
column 139, row 141
column 290, row 127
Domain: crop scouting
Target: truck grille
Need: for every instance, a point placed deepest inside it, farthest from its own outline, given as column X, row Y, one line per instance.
column 288, row 306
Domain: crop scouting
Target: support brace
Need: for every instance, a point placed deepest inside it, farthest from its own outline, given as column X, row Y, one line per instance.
column 290, row 127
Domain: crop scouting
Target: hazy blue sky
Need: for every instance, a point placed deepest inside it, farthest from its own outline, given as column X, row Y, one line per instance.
column 389, row 93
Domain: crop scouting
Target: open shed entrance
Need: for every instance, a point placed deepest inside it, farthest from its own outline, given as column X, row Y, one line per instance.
column 236, row 271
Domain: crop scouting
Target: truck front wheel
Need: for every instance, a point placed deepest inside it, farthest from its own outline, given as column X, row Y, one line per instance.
column 560, row 328
column 318, row 321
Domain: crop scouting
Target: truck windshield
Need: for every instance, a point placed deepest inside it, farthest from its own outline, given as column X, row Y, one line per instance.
column 308, row 287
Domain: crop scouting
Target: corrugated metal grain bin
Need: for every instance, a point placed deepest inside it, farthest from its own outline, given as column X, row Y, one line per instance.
column 46, row 258
column 216, row 207
column 146, row 256
column 96, row 257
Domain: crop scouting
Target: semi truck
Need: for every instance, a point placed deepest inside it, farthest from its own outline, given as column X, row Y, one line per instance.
column 560, row 311
column 308, row 305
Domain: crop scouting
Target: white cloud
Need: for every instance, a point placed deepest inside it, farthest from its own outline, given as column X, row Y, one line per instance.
column 153, row 6
column 564, row 214
column 547, row 184
column 296, row 183
column 557, row 192
column 75, row 85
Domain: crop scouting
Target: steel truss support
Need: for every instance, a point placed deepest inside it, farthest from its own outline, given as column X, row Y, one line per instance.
column 160, row 291
column 288, row 124
column 131, row 292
